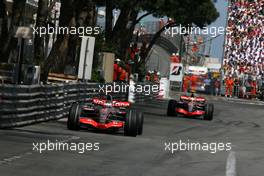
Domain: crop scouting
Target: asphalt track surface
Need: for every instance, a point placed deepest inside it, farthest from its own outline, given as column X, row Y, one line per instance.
column 240, row 124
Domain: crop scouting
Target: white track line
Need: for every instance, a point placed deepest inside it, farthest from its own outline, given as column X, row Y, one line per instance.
column 231, row 164
column 16, row 157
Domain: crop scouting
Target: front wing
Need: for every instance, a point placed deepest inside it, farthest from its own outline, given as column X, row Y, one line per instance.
column 188, row 113
column 93, row 123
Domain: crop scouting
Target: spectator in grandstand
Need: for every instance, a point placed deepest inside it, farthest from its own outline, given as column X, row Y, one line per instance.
column 207, row 85
column 253, row 85
column 123, row 76
column 115, row 76
column 175, row 58
column 259, row 82
column 212, row 86
column 229, row 86
column 148, row 76
column 186, row 83
column 193, row 82
column 236, row 87
column 217, row 86
column 156, row 76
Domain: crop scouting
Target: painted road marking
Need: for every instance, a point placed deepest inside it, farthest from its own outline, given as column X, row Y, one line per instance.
column 16, row 157
column 13, row 158
column 231, row 164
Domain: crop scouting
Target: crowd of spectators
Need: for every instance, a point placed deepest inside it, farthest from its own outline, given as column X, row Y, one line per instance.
column 244, row 51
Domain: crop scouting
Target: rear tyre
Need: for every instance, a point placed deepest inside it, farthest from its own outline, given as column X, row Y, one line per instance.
column 209, row 112
column 73, row 118
column 140, row 122
column 131, row 127
column 171, row 111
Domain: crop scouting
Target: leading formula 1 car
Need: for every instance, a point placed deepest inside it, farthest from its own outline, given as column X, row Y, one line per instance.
column 106, row 114
column 191, row 106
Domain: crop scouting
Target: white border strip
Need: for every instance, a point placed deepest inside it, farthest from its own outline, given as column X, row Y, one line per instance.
column 231, row 164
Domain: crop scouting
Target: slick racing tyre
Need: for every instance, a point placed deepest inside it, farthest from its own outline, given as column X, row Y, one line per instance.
column 209, row 112
column 131, row 127
column 73, row 118
column 171, row 108
column 140, row 122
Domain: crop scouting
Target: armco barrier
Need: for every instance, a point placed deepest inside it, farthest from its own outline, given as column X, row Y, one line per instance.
column 23, row 105
column 7, row 73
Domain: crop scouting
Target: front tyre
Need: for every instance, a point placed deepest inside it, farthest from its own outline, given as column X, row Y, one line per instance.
column 171, row 111
column 209, row 112
column 73, row 118
column 140, row 122
column 131, row 127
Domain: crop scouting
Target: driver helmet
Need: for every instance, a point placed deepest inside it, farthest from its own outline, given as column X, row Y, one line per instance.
column 109, row 98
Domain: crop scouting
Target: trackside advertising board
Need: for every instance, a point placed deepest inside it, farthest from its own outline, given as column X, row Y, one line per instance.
column 164, row 88
column 176, row 72
column 86, row 58
column 196, row 70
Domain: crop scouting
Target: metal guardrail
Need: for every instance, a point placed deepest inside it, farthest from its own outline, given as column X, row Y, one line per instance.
column 7, row 73
column 23, row 105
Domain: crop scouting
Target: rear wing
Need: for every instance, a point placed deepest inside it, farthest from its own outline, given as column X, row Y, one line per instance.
column 114, row 103
column 188, row 98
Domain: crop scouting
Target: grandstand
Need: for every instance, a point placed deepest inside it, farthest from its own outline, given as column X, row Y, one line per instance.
column 244, row 52
column 244, row 42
